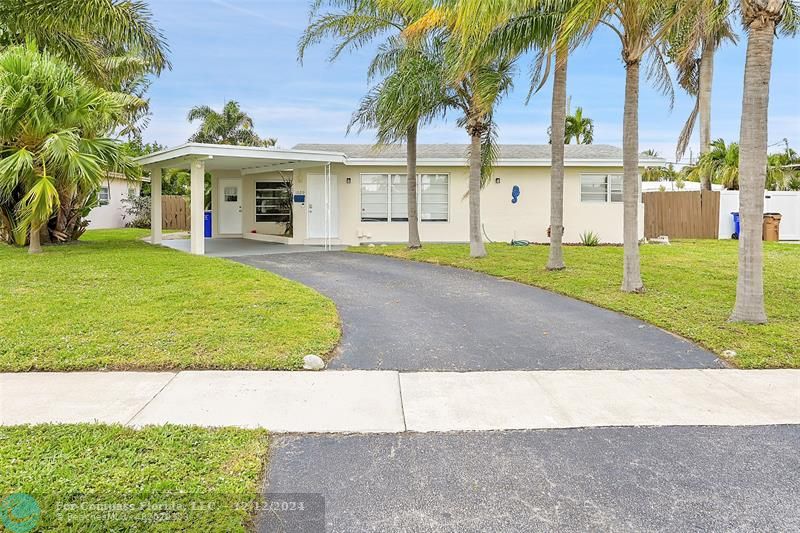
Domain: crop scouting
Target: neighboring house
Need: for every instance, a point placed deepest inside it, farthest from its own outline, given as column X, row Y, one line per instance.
column 354, row 194
column 110, row 212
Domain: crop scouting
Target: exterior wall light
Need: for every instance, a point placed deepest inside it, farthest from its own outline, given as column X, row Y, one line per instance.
column 497, row 180
column 349, row 180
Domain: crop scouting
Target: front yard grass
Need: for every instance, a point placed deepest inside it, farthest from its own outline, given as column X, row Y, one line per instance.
column 691, row 288
column 112, row 302
column 112, row 478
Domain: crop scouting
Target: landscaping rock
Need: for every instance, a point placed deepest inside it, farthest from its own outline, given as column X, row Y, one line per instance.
column 729, row 354
column 313, row 362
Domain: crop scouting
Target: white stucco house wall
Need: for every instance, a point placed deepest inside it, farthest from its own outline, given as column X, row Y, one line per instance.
column 354, row 194
column 109, row 214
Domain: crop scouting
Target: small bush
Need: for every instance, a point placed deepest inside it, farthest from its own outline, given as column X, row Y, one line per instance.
column 590, row 238
column 137, row 211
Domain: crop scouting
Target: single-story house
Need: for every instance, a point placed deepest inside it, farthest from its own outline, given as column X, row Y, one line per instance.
column 355, row 194
column 110, row 210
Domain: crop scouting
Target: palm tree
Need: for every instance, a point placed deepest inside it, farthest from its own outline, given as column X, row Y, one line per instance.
column 515, row 27
column 720, row 164
column 476, row 95
column 412, row 93
column 761, row 18
column 354, row 24
column 579, row 128
column 640, row 25
column 55, row 145
column 477, row 84
column 692, row 47
column 231, row 126
column 86, row 33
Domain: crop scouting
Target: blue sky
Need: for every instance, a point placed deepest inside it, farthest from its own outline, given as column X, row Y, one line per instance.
column 245, row 50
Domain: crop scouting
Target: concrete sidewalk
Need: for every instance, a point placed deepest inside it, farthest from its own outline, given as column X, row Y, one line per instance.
column 392, row 402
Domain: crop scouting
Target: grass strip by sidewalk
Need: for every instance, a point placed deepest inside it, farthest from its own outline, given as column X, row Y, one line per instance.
column 112, row 302
column 691, row 288
column 112, row 478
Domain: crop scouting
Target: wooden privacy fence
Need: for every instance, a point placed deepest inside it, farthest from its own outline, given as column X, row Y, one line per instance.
column 681, row 215
column 175, row 212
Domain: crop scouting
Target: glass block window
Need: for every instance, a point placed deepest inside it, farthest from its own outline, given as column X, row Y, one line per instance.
column 273, row 201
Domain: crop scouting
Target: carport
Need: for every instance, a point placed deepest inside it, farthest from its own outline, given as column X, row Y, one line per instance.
column 239, row 160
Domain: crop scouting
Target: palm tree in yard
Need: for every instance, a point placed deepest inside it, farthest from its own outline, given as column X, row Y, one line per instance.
column 231, row 126
column 477, row 83
column 692, row 47
column 52, row 126
column 761, row 18
column 476, row 95
column 411, row 94
column 579, row 128
column 641, row 26
column 517, row 27
column 352, row 24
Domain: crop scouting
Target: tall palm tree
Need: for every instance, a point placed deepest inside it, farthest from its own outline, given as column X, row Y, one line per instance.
column 51, row 124
column 352, row 24
column 579, row 128
column 231, row 126
column 516, row 27
column 640, row 25
column 412, row 93
column 692, row 47
column 477, row 83
column 476, row 95
column 761, row 18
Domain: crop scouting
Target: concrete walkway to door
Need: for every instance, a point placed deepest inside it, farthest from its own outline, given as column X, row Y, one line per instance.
column 400, row 315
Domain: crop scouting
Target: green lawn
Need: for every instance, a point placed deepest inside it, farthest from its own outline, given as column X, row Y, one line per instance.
column 113, row 302
column 691, row 288
column 111, row 478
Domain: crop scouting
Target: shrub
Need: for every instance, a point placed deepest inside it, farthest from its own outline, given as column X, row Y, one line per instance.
column 590, row 238
column 137, row 211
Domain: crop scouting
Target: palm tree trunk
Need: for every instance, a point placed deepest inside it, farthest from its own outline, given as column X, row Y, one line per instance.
column 704, row 105
column 631, row 273
column 35, row 246
column 558, row 121
column 411, row 178
column 476, row 247
column 752, row 172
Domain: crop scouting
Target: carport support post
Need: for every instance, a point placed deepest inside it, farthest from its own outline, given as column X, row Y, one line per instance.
column 155, row 206
column 198, row 206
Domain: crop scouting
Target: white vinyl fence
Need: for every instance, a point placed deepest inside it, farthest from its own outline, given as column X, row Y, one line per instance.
column 787, row 203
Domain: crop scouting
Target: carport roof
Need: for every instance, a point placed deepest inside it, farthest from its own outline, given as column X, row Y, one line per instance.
column 247, row 159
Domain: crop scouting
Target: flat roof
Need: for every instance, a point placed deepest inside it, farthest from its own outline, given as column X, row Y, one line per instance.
column 248, row 159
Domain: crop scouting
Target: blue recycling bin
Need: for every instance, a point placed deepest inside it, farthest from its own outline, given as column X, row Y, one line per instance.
column 207, row 224
column 735, row 225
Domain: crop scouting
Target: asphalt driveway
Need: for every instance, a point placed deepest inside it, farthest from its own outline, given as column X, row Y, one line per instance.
column 401, row 315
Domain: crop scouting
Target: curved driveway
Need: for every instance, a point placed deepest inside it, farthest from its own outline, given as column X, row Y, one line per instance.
column 402, row 315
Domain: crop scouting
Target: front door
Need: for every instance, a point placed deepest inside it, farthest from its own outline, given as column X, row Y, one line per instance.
column 323, row 210
column 230, row 206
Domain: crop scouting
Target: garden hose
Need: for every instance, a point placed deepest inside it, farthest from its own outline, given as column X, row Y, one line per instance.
column 520, row 243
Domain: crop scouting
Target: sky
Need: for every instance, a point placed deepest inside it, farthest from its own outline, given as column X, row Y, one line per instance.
column 246, row 50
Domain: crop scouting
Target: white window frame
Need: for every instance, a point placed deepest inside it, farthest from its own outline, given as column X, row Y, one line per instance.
column 608, row 199
column 100, row 200
column 389, row 196
column 255, row 204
